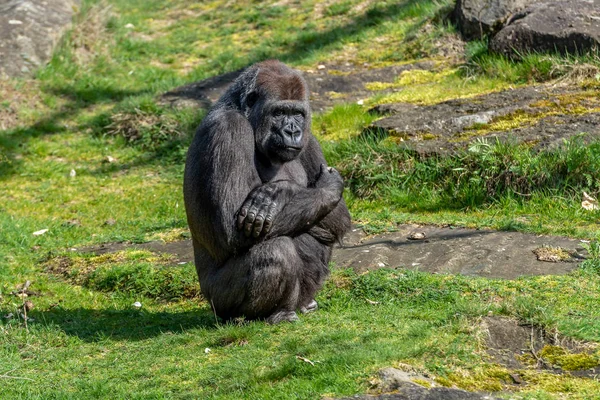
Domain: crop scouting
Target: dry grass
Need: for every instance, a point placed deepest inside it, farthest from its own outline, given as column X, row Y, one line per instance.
column 89, row 36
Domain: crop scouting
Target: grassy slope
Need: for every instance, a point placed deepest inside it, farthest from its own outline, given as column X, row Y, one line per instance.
column 88, row 341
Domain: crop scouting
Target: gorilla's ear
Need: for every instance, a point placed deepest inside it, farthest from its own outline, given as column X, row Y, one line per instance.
column 251, row 99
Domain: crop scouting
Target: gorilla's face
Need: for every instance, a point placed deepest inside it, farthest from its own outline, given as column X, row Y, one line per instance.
column 279, row 128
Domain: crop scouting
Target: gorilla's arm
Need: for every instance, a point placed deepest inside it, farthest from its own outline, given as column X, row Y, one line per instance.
column 284, row 208
column 219, row 175
column 336, row 223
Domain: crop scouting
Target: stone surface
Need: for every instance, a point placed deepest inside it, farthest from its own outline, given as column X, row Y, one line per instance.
column 567, row 26
column 444, row 127
column 412, row 391
column 487, row 253
column 329, row 85
column 509, row 343
column 29, row 30
column 477, row 18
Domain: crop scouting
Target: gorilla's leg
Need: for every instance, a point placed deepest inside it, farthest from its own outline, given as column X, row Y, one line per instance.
column 315, row 259
column 262, row 283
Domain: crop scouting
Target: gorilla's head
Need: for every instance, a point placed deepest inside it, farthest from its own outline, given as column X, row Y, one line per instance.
column 277, row 107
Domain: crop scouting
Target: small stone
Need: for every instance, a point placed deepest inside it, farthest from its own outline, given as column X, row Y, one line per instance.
column 321, row 67
column 110, row 159
column 417, row 236
column 360, row 102
column 110, row 222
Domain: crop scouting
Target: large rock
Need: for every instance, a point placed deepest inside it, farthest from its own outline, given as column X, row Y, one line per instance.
column 477, row 18
column 567, row 26
column 543, row 116
column 29, row 30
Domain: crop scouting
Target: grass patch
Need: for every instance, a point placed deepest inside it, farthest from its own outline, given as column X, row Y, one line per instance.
column 91, row 110
column 132, row 272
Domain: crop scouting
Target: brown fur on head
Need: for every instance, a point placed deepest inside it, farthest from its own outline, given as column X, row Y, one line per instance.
column 280, row 81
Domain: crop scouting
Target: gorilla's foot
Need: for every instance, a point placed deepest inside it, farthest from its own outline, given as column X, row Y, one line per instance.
column 310, row 307
column 281, row 316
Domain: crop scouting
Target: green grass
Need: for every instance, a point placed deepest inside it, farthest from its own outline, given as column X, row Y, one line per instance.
column 92, row 110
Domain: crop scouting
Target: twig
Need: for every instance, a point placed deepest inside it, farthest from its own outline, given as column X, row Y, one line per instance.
column 539, row 360
column 214, row 312
column 6, row 376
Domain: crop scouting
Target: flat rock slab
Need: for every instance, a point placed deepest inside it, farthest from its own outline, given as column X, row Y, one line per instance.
column 548, row 114
column 566, row 26
column 329, row 85
column 486, row 253
column 29, row 31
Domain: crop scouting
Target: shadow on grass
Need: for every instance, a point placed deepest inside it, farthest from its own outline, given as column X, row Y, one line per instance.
column 95, row 325
column 79, row 100
column 56, row 122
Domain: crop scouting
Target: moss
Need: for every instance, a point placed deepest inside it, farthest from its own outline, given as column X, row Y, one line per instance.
column 422, row 382
column 552, row 254
column 568, row 361
column 172, row 235
column 566, row 104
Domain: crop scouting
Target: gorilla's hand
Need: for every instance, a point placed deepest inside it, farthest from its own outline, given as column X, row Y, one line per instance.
column 331, row 181
column 260, row 207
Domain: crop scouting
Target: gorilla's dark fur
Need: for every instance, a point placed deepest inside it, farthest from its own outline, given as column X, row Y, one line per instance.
column 263, row 208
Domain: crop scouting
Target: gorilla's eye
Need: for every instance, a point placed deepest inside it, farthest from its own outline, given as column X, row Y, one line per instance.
column 278, row 113
column 251, row 99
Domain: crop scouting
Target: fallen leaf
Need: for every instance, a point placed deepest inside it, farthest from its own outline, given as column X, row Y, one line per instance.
column 306, row 360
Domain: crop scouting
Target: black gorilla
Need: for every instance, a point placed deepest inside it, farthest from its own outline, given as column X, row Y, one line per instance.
column 263, row 208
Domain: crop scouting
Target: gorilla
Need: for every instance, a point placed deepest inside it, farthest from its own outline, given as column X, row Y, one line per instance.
column 263, row 208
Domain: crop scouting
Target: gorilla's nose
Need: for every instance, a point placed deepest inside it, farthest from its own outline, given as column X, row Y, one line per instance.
column 292, row 135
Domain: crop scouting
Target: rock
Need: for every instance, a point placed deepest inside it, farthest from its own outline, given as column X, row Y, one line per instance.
column 478, row 18
column 29, row 30
column 445, row 127
column 400, row 384
column 487, row 253
column 567, row 26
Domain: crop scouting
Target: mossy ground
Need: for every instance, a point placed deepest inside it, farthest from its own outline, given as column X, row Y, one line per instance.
column 92, row 110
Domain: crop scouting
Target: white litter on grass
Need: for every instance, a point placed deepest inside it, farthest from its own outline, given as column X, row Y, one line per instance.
column 589, row 203
column 137, row 304
column 73, row 173
column 207, row 350
column 15, row 22
column 40, row 232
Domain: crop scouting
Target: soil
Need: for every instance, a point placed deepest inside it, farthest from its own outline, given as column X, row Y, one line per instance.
column 330, row 84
